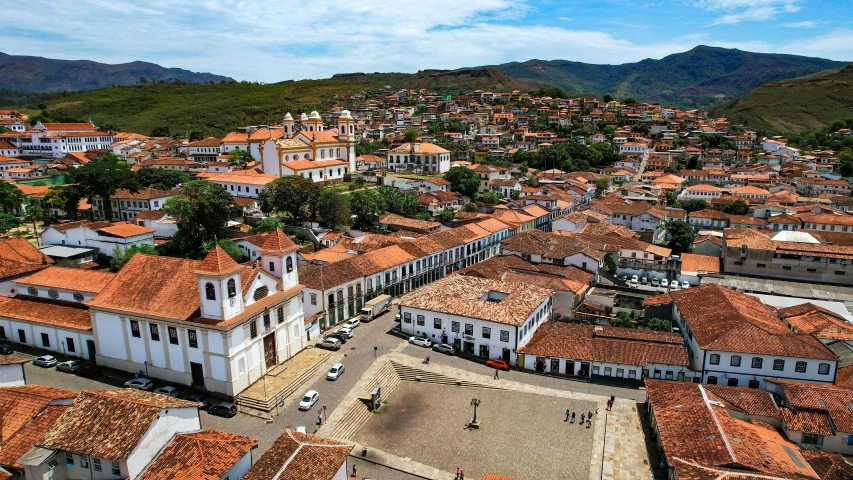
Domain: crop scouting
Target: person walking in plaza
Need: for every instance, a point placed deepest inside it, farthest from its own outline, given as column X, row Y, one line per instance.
column 608, row 404
column 354, row 471
column 573, row 417
column 568, row 413
column 496, row 374
column 457, row 472
column 612, row 400
column 319, row 418
column 582, row 418
column 588, row 422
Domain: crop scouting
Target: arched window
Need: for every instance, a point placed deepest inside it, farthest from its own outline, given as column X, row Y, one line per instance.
column 338, row 152
column 261, row 292
column 322, row 154
column 209, row 291
column 351, row 129
column 232, row 288
column 289, row 263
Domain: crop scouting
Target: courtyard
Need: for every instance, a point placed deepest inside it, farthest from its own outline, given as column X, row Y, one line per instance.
column 521, row 435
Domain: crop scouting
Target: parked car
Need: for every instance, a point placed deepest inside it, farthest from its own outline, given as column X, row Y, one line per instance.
column 70, row 366
column 420, row 341
column 45, row 361
column 684, row 284
column 352, row 323
column 329, row 343
column 497, row 363
column 634, row 279
column 444, row 348
column 644, row 280
column 655, row 282
column 308, row 401
column 198, row 398
column 339, row 337
column 223, row 409
column 5, row 349
column 335, row 372
column 140, row 383
column 624, row 278
column 168, row 391
column 673, row 284
column 344, row 331
column 88, row 370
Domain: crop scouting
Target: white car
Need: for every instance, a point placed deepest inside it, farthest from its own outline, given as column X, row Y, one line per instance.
column 352, row 323
column 673, row 284
column 140, row 383
column 684, row 284
column 308, row 401
column 45, row 361
column 634, row 279
column 420, row 341
column 335, row 372
column 344, row 331
column 168, row 391
column 655, row 282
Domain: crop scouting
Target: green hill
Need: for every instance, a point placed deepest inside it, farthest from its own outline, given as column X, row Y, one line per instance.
column 795, row 105
column 213, row 109
column 463, row 80
column 697, row 78
column 39, row 74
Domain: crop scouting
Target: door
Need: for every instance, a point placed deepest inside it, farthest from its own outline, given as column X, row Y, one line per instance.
column 197, row 371
column 570, row 367
column 90, row 347
column 506, row 355
column 269, row 350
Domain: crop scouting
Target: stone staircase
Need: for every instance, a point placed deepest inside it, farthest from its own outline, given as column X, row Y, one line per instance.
column 412, row 374
column 359, row 412
column 269, row 404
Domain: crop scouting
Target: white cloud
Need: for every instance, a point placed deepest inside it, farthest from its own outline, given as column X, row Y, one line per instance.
column 836, row 45
column 736, row 11
column 805, row 24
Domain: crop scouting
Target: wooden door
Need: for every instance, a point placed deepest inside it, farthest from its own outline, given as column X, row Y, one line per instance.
column 197, row 371
column 269, row 350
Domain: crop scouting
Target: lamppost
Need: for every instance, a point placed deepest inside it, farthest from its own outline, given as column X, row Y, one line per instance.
column 474, row 423
column 146, row 368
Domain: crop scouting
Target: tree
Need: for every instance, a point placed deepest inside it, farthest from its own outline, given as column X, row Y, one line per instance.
column 65, row 198
column 463, row 180
column 34, row 213
column 693, row 162
column 629, row 101
column 490, row 198
column 425, row 216
column 469, row 207
column 288, row 194
column 366, row 205
column 845, row 155
column 682, row 235
column 622, row 319
column 398, row 202
column 226, row 244
column 266, row 225
column 532, row 181
column 738, row 207
column 161, row 178
column 11, row 198
column 446, row 215
column 333, row 208
column 609, row 264
column 690, row 205
column 410, row 135
column 202, row 208
column 240, row 157
column 846, row 169
column 671, row 199
column 515, row 194
column 119, row 258
column 660, row 325
column 607, row 98
column 101, row 178
column 8, row 222
column 601, row 186
column 160, row 132
column 196, row 135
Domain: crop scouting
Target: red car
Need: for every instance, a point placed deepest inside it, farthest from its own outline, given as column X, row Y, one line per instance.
column 498, row 363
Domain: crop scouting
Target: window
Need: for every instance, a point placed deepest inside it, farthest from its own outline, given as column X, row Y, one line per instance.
column 52, row 464
column 253, row 329
column 173, row 335
column 753, row 384
column 289, row 263
column 632, row 374
column 812, row 439
column 712, row 380
column 800, row 367
column 436, row 323
column 84, row 461
column 407, row 317
column 134, row 328
column 823, row 369
column 454, row 327
column 715, row 359
column 595, row 370
column 192, row 336
column 96, row 464
column 45, row 340
column 279, row 313
column 778, row 364
column 260, row 292
column 209, row 291
column 620, row 372
column 313, row 297
column 420, row 320
column 469, row 329
column 505, row 335
column 847, row 439
column 608, row 371
column 757, row 362
column 232, row 288
column 155, row 333
column 733, row 382
column 69, row 459
column 487, row 332
column 69, row 344
column 266, row 321
column 116, row 468
column 735, row 361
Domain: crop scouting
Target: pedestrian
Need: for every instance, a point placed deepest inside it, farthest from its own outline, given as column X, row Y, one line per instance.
column 608, row 405
column 612, row 401
column 588, row 422
column 582, row 418
column 462, row 474
column 319, row 418
column 567, row 415
column 457, row 473
column 496, row 374
column 354, row 471
column 589, row 415
column 573, row 417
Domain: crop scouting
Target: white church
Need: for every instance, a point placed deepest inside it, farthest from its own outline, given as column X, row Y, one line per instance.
column 306, row 148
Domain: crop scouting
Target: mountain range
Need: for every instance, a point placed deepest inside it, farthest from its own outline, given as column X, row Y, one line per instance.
column 46, row 75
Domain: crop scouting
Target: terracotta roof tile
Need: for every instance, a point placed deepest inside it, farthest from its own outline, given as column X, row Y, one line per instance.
column 206, row 455
column 277, row 242
column 300, row 456
column 20, row 404
column 829, row 466
column 92, row 281
column 29, row 434
column 17, row 256
column 46, row 312
column 692, row 263
column 217, row 263
column 751, row 401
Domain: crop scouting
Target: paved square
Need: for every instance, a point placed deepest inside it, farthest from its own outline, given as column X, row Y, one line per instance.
column 522, row 435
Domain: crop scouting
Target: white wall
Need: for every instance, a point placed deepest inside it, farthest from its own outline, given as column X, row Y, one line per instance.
column 160, row 433
column 12, row 375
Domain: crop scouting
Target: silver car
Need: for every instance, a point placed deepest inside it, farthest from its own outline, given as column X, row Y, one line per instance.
column 335, row 372
column 140, row 383
column 45, row 361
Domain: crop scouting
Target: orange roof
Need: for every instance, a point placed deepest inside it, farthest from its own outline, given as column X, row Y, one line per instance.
column 204, row 455
column 29, row 434
column 19, row 404
column 309, row 164
column 35, row 310
column 278, row 242
column 238, row 176
column 692, row 263
column 69, row 279
column 235, row 137
column 217, row 263
column 125, row 230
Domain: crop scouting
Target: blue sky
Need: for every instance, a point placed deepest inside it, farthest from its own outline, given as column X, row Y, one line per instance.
column 269, row 41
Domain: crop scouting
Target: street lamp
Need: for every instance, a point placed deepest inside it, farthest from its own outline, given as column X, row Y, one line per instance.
column 146, row 368
column 474, row 423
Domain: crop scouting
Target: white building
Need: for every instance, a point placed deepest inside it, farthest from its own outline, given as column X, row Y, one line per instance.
column 210, row 323
column 12, row 371
column 243, row 183
column 127, row 204
column 55, row 140
column 105, row 236
column 419, row 157
column 332, row 151
column 488, row 318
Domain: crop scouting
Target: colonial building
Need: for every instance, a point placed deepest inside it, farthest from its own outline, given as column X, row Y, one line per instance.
column 308, row 149
column 419, row 157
